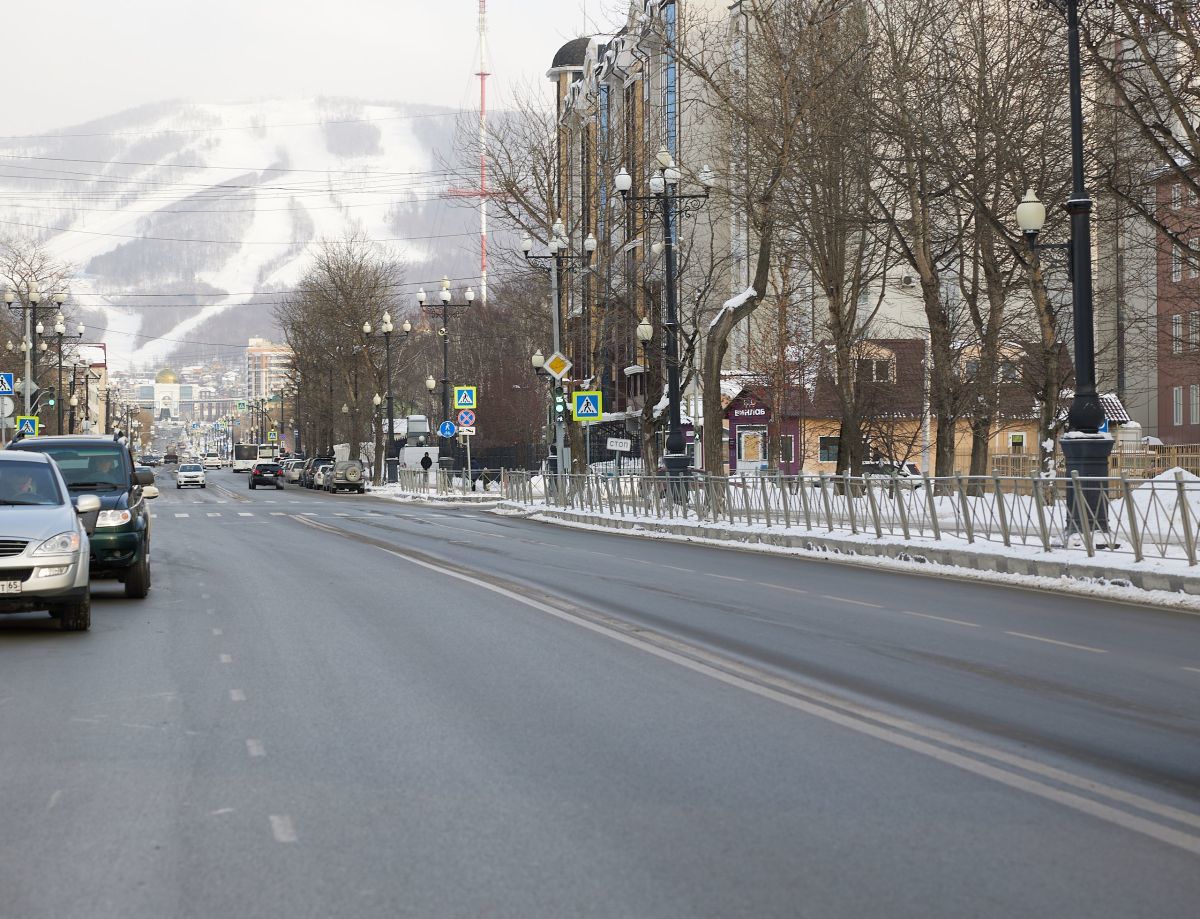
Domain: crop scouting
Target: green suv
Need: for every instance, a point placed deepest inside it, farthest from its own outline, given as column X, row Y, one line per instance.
column 103, row 466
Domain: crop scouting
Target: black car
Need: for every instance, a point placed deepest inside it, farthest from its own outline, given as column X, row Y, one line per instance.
column 268, row 474
column 102, row 466
column 310, row 469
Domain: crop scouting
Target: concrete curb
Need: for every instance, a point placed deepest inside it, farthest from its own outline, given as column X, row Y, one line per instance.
column 1171, row 589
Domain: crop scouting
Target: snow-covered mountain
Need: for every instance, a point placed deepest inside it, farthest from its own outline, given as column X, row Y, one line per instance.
column 185, row 222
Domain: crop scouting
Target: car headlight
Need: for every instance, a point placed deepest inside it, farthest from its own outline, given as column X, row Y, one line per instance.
column 62, row 544
column 113, row 518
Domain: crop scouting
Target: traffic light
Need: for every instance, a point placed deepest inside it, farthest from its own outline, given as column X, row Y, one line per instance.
column 560, row 405
column 50, row 397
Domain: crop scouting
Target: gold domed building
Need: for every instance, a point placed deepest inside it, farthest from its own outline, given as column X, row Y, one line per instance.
column 167, row 376
column 165, row 396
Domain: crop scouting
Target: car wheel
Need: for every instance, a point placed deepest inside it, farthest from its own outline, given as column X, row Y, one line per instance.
column 177, row 485
column 74, row 617
column 278, row 487
column 202, row 485
column 362, row 490
column 137, row 581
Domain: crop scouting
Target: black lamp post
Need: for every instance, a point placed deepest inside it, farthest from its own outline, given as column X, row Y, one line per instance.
column 558, row 261
column 1084, row 447
column 445, row 456
column 664, row 194
column 60, row 333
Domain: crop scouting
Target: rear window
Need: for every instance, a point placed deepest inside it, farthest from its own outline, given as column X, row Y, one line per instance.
column 267, row 467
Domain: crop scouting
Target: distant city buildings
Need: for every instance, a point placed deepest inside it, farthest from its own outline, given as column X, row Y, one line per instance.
column 267, row 366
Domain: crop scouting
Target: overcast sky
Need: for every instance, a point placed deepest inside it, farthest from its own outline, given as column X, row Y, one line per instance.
column 68, row 61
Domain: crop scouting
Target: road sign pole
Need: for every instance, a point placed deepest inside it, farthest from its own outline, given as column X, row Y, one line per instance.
column 560, row 428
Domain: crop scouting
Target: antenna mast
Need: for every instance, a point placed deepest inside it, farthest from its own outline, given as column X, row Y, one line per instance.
column 483, row 188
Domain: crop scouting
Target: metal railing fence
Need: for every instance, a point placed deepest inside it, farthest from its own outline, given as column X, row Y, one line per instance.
column 1144, row 518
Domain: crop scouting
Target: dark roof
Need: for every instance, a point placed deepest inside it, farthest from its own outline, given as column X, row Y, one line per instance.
column 571, row 54
column 1114, row 411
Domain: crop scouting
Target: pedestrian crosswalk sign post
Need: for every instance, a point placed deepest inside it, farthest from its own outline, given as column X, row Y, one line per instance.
column 272, row 435
column 6, row 384
column 27, row 425
column 464, row 397
column 586, row 405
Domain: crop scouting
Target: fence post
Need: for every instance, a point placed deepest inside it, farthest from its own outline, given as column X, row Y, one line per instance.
column 901, row 503
column 931, row 501
column 803, row 488
column 766, row 498
column 1001, row 512
column 965, row 505
column 1040, row 502
column 1135, row 534
column 1185, row 517
column 849, row 502
column 781, row 483
column 1085, row 529
column 827, row 502
column 874, row 507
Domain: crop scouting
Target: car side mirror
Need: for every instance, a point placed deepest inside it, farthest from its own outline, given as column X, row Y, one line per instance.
column 143, row 476
column 150, row 491
column 87, row 504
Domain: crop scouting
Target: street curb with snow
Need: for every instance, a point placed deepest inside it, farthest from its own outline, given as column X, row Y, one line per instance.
column 1148, row 586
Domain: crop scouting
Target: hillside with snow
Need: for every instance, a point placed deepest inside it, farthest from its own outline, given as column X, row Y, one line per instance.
column 183, row 223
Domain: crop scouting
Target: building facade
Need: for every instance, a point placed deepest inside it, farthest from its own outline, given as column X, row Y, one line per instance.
column 1178, row 316
column 267, row 366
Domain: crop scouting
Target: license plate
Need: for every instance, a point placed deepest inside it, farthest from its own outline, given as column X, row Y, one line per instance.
column 10, row 587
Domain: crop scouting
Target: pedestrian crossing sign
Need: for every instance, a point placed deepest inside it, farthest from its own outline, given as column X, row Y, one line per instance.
column 272, row 436
column 27, row 425
column 464, row 397
column 6, row 384
column 586, row 405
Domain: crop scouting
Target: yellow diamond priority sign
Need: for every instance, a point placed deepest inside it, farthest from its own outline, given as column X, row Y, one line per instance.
column 557, row 365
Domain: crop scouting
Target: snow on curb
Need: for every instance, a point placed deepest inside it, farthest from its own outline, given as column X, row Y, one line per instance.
column 1149, row 586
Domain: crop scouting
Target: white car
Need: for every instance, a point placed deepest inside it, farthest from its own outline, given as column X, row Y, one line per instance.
column 212, row 461
column 190, row 474
column 322, row 475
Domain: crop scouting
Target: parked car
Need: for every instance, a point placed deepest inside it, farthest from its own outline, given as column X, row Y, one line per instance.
column 321, row 475
column 212, row 461
column 291, row 470
column 44, row 542
column 151, row 459
column 100, row 465
column 309, row 473
column 265, row 474
column 906, row 475
column 347, row 474
column 190, row 474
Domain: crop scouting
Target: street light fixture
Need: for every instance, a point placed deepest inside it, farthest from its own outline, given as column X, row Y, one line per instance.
column 665, row 196
column 60, row 332
column 1084, row 447
column 444, row 298
column 538, row 360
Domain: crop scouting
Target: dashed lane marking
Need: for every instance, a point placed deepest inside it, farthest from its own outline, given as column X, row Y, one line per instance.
column 214, row 513
column 245, row 514
column 278, row 513
column 642, row 561
column 1193, row 669
column 237, row 695
column 282, row 829
column 973, row 625
column 855, row 602
column 183, row 515
column 1051, row 641
column 723, row 577
column 218, row 632
column 225, row 659
column 255, row 747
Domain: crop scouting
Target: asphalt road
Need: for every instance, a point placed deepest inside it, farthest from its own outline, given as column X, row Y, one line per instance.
column 342, row 706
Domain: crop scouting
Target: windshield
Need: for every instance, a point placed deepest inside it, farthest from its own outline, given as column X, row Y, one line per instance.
column 191, row 467
column 28, row 483
column 100, row 466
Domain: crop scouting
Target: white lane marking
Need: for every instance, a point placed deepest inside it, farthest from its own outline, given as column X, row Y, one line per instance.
column 279, row 513
column 237, row 695
column 218, row 632
column 282, row 829
column 974, row 625
column 183, row 515
column 883, row 726
column 642, row 561
column 220, row 812
column 293, row 502
column 154, row 516
column 245, row 514
column 723, row 577
column 336, row 514
column 54, row 799
column 255, row 747
column 271, row 502
column 308, row 514
column 222, row 501
column 214, row 513
column 794, row 590
column 848, row 600
column 1193, row 669
column 1051, row 641
column 225, row 659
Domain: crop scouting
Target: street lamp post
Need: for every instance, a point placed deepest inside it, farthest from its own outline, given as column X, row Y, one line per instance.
column 445, row 456
column 664, row 194
column 386, row 328
column 60, row 332
column 1085, row 448
column 554, row 264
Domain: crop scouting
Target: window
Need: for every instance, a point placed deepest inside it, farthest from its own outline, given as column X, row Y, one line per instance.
column 1194, row 260
column 1176, row 334
column 1008, row 371
column 1177, row 406
column 971, row 369
column 1176, row 196
column 1176, row 264
column 1194, row 329
column 1194, row 412
column 873, row 371
column 751, row 446
column 1016, row 443
column 828, row 449
column 787, row 449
